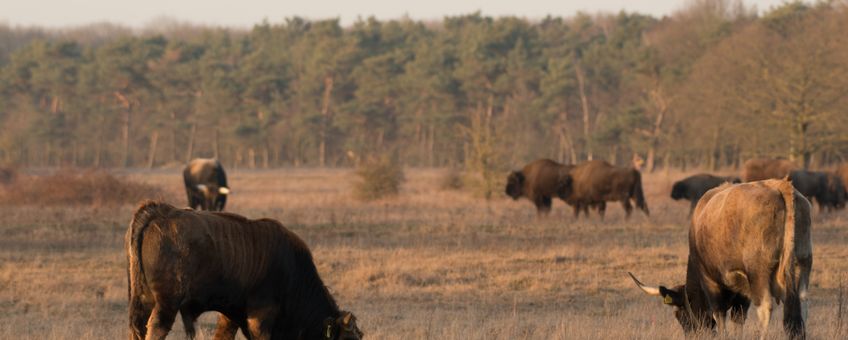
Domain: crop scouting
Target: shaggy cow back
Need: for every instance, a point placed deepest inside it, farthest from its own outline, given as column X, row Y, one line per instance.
column 201, row 261
column 757, row 169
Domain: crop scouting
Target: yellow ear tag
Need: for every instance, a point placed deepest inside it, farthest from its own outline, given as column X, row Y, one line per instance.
column 668, row 300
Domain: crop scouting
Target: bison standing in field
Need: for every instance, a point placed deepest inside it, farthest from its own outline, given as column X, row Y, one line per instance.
column 539, row 181
column 693, row 187
column 842, row 173
column 206, row 184
column 593, row 183
column 827, row 189
column 748, row 244
column 257, row 273
column 757, row 169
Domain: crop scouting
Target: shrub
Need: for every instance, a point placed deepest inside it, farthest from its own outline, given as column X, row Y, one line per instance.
column 70, row 187
column 378, row 178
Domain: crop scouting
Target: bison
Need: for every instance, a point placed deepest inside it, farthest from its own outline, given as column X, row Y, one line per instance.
column 206, row 184
column 257, row 273
column 827, row 189
column 748, row 244
column 693, row 187
column 593, row 183
column 757, row 169
column 539, row 181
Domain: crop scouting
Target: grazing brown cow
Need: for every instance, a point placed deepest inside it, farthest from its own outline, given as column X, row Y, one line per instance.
column 596, row 182
column 256, row 273
column 692, row 188
column 539, row 181
column 758, row 169
column 748, row 244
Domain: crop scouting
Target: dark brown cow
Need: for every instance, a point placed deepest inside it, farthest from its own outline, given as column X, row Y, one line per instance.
column 596, row 182
column 692, row 188
column 206, row 184
column 255, row 272
column 758, row 169
column 748, row 244
column 539, row 181
column 826, row 188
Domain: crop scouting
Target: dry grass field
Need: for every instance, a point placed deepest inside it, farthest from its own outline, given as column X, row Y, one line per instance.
column 428, row 264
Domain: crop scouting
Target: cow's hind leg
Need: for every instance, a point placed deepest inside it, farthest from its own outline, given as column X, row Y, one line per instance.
column 138, row 322
column 160, row 322
column 795, row 303
column 188, row 322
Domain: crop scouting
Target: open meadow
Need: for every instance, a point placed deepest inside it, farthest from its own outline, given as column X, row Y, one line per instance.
column 427, row 264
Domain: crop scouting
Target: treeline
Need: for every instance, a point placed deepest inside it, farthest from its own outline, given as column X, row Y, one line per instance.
column 710, row 86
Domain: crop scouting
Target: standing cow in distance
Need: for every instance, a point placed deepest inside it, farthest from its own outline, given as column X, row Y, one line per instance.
column 206, row 184
column 693, row 187
column 259, row 275
column 748, row 244
column 827, row 189
column 758, row 169
column 842, row 173
column 593, row 183
column 539, row 181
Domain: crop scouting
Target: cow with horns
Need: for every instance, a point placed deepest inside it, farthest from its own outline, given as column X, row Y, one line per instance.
column 748, row 244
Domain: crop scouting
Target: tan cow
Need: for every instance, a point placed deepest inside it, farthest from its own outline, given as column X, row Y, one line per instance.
column 748, row 244
column 758, row 169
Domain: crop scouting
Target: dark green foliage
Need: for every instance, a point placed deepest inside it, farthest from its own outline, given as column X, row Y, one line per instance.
column 473, row 92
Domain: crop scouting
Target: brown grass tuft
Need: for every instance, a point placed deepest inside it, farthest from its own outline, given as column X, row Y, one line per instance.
column 72, row 187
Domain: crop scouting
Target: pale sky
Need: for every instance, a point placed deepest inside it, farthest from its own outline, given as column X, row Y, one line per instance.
column 246, row 13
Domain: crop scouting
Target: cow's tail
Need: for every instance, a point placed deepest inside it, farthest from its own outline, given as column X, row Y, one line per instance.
column 637, row 193
column 793, row 270
column 144, row 215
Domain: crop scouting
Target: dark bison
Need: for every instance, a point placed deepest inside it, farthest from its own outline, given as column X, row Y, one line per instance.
column 748, row 244
column 257, row 273
column 827, row 189
column 758, row 169
column 693, row 187
column 206, row 184
column 539, row 181
column 593, row 183
column 842, row 174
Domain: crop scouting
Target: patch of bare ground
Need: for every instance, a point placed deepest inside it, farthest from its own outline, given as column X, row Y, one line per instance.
column 426, row 264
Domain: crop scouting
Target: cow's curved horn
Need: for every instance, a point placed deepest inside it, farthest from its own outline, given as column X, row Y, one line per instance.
column 202, row 187
column 653, row 291
column 346, row 319
column 224, row 191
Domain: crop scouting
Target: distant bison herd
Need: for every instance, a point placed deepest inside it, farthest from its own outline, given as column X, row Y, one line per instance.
column 589, row 184
column 749, row 244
